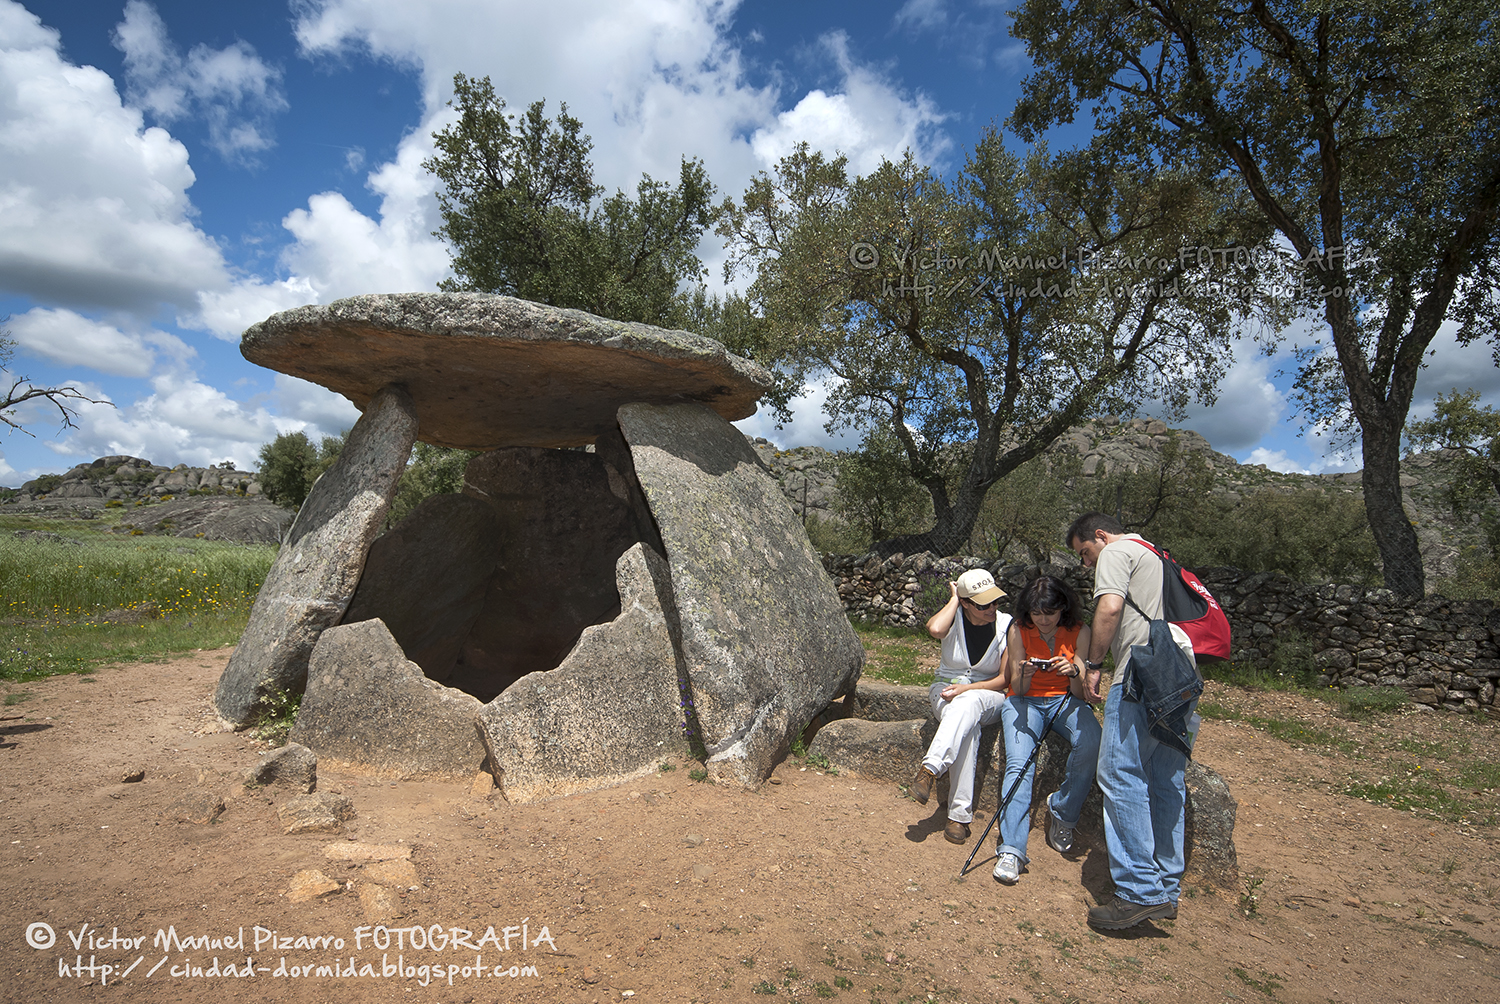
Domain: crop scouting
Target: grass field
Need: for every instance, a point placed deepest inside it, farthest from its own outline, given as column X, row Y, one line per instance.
column 72, row 596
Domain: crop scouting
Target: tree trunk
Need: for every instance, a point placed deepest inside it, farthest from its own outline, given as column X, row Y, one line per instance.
column 1400, row 554
column 950, row 531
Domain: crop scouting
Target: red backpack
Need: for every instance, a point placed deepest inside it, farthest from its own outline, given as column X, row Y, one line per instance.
column 1187, row 603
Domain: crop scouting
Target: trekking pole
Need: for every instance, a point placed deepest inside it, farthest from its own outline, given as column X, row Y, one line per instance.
column 1035, row 752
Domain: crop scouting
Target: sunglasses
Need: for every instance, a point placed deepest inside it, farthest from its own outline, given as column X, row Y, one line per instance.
column 992, row 604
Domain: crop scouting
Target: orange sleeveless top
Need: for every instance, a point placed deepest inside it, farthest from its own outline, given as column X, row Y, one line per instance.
column 1044, row 682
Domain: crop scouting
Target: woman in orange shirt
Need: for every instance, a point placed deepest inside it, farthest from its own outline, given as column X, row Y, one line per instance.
column 1045, row 648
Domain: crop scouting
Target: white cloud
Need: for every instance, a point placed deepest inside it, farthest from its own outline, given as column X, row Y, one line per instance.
column 93, row 206
column 228, row 312
column 186, row 421
column 1276, row 460
column 868, row 121
column 343, row 252
column 807, row 425
column 920, row 14
column 1247, row 408
column 65, row 337
column 306, row 407
column 231, row 88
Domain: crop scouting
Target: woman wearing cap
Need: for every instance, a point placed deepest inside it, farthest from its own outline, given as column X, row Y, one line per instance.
column 967, row 693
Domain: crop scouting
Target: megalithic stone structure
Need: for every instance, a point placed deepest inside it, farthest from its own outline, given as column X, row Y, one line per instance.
column 606, row 605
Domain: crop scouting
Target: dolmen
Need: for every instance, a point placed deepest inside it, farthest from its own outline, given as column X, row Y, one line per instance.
column 619, row 580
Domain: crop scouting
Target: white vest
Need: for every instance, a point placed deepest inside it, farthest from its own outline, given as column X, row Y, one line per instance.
column 955, row 659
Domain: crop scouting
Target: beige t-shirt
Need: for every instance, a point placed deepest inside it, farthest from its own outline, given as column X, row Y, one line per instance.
column 1129, row 568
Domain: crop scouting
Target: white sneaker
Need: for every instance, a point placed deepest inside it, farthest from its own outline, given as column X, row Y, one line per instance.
column 1008, row 869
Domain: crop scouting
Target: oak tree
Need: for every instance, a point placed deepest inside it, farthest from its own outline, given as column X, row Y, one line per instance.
column 1365, row 134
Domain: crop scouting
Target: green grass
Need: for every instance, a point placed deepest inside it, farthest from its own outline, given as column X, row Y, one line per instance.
column 103, row 572
column 107, row 598
column 891, row 653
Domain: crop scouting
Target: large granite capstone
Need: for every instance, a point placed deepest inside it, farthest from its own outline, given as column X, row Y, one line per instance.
column 488, row 371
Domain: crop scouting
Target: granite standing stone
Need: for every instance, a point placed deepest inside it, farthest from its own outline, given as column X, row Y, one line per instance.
column 367, row 703
column 319, row 566
column 764, row 638
column 608, row 713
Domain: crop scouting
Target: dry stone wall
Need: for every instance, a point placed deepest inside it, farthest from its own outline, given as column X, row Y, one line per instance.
column 1442, row 652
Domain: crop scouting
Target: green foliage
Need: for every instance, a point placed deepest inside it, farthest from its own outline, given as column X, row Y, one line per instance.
column 289, row 465
column 877, row 495
column 42, row 579
column 70, row 607
column 1366, row 135
column 1459, row 423
column 434, row 470
column 1310, row 535
column 520, row 214
column 1366, row 702
column 892, row 654
column 949, row 322
column 278, row 717
column 1030, row 510
column 832, row 536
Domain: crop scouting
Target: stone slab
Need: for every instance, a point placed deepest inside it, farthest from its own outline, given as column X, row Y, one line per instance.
column 488, row 371
column 764, row 637
column 427, row 577
column 608, row 713
column 318, row 568
column 367, row 703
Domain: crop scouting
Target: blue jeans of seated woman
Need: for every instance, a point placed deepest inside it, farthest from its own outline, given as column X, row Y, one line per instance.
column 1145, row 796
column 1023, row 719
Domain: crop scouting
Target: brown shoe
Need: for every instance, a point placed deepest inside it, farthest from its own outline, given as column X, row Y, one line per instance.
column 922, row 785
column 956, row 832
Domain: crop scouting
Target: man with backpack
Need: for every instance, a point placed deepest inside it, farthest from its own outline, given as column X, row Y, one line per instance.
column 1140, row 776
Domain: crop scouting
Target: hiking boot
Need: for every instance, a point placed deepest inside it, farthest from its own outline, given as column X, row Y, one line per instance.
column 1118, row 914
column 1059, row 837
column 956, row 832
column 922, row 785
column 1008, row 869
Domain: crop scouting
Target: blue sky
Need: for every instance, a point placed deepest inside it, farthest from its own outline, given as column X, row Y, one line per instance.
column 173, row 172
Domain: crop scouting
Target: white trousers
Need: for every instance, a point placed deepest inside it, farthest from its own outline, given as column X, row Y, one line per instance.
column 956, row 745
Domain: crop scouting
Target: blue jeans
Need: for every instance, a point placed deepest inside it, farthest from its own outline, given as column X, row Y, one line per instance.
column 1023, row 719
column 1144, row 801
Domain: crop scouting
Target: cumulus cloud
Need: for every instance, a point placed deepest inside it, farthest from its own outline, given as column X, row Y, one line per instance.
column 62, row 336
column 94, row 209
column 807, row 425
column 184, row 421
column 1247, row 408
column 231, row 89
column 868, row 121
column 1276, row 460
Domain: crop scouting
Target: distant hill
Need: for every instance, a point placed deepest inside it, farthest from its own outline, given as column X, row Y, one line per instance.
column 1107, row 445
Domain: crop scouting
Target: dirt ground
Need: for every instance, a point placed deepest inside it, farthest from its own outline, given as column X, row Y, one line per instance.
column 667, row 889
